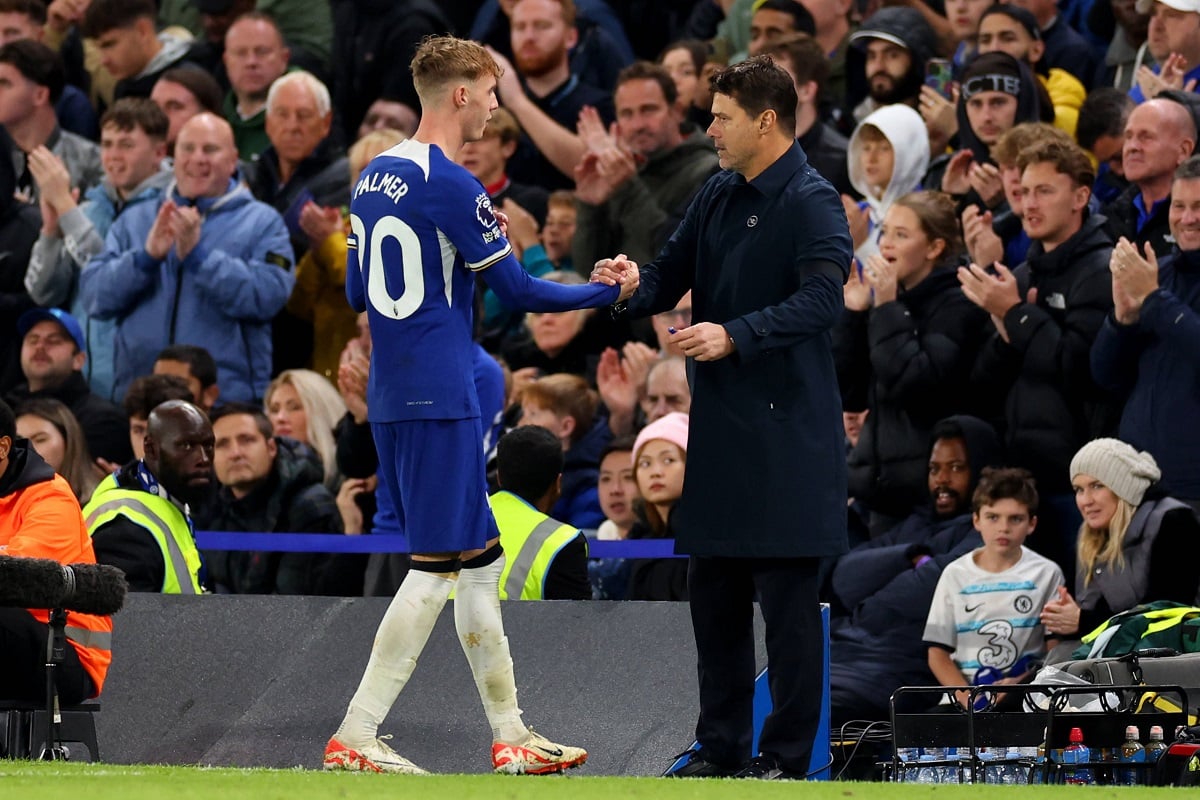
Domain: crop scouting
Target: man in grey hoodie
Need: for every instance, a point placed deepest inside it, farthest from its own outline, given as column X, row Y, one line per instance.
column 131, row 48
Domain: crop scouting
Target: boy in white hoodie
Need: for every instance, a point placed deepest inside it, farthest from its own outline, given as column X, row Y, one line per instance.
column 888, row 156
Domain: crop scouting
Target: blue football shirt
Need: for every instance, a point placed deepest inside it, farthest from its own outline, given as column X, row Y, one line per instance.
column 421, row 226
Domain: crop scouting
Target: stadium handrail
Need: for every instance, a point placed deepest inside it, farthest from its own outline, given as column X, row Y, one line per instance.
column 393, row 543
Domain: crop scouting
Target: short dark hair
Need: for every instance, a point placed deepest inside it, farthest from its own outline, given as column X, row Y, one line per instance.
column 620, row 444
column 150, row 391
column 809, row 62
column 204, row 87
column 8, row 421
column 529, row 460
column 38, row 63
column 1005, row 483
column 34, row 9
column 1104, row 113
column 137, row 112
column 103, row 16
column 647, row 71
column 200, row 362
column 260, row 419
column 757, row 84
column 802, row 20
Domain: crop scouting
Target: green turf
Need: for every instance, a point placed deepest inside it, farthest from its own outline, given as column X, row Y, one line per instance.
column 60, row 781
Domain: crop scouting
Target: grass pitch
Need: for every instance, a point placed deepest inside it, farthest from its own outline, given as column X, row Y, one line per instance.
column 62, row 781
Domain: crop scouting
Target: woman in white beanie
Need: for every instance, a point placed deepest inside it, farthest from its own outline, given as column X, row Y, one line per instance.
column 1135, row 544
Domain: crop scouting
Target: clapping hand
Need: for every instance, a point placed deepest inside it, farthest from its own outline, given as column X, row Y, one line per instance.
column 1134, row 277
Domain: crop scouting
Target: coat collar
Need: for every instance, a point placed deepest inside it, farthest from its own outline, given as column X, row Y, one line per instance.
column 772, row 180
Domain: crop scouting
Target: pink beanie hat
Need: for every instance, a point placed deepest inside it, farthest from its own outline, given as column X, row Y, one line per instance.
column 672, row 428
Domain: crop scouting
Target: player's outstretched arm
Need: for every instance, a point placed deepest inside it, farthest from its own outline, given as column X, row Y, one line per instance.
column 518, row 290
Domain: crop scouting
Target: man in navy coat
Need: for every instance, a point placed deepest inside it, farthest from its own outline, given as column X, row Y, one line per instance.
column 764, row 248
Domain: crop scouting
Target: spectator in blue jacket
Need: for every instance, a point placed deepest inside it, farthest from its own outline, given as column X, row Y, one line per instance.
column 1148, row 349
column 206, row 265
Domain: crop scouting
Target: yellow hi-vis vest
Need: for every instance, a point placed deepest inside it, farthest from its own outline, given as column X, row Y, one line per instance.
column 530, row 540
column 162, row 519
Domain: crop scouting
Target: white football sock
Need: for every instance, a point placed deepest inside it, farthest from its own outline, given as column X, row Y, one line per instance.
column 481, row 634
column 399, row 641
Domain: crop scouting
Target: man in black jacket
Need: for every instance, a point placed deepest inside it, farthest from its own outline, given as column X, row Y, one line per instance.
column 53, row 351
column 269, row 485
column 1047, row 313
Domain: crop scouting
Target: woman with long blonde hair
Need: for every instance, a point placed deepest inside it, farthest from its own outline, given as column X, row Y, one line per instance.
column 1135, row 545
column 302, row 405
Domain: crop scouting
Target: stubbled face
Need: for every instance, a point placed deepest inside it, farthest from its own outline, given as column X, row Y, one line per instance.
column 18, row 95
column 1096, row 502
column 1050, row 209
column 949, row 477
column 734, row 133
column 766, row 26
column 243, row 457
column 49, row 355
column 617, row 488
column 991, row 114
column 1001, row 33
column 646, row 123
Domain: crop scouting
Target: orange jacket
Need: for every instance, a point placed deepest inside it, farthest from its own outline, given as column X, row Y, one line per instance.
column 42, row 520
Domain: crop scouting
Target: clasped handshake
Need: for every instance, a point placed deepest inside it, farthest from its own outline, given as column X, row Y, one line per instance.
column 611, row 271
column 177, row 226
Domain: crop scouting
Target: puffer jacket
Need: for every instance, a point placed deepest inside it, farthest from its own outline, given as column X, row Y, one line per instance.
column 1052, row 405
column 222, row 297
column 914, row 358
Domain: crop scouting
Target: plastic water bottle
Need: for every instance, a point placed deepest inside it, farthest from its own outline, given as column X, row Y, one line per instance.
column 906, row 771
column 989, row 771
column 1077, row 753
column 1013, row 773
column 1156, row 746
column 927, row 773
column 950, row 772
column 1132, row 752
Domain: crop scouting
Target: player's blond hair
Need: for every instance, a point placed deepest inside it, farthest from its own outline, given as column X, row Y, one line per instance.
column 442, row 59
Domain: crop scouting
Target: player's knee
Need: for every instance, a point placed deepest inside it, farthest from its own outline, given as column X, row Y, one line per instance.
column 488, row 556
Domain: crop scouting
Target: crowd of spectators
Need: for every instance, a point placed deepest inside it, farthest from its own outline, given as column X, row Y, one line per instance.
column 1018, row 180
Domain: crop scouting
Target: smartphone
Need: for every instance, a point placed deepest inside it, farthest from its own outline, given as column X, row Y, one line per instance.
column 939, row 75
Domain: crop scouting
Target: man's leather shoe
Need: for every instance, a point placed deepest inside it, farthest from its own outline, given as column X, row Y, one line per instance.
column 696, row 766
column 764, row 768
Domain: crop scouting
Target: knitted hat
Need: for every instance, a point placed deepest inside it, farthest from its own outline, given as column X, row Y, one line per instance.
column 672, row 428
column 1118, row 466
column 992, row 72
